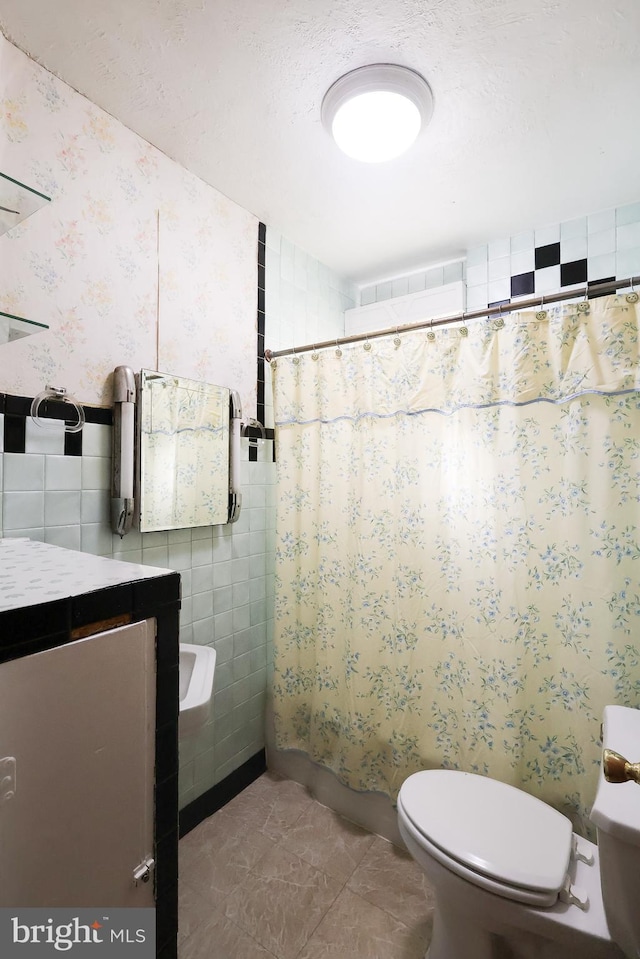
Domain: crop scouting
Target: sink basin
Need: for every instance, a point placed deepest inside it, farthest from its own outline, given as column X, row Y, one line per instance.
column 197, row 666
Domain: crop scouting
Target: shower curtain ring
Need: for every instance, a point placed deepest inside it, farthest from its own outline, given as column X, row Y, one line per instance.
column 296, row 358
column 315, row 354
column 541, row 314
column 583, row 307
column 500, row 318
column 631, row 297
column 367, row 345
column 396, row 340
column 338, row 350
column 431, row 335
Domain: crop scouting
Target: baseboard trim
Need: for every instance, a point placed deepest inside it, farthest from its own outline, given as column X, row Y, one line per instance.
column 222, row 793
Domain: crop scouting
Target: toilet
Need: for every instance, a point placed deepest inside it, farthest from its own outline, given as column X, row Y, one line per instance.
column 511, row 879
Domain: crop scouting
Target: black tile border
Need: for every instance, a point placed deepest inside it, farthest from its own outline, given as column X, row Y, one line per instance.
column 49, row 625
column 53, row 409
column 260, row 332
column 73, row 444
column 17, row 409
column 14, row 428
column 222, row 793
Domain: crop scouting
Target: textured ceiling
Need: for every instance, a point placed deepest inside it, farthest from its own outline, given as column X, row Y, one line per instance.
column 535, row 121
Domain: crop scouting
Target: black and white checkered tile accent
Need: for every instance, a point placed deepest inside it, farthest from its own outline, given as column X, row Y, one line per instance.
column 547, row 260
column 575, row 254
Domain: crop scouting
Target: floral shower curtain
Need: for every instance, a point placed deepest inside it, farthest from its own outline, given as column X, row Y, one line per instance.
column 457, row 550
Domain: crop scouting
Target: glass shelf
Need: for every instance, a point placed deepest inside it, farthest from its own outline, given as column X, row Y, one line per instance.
column 15, row 327
column 17, row 202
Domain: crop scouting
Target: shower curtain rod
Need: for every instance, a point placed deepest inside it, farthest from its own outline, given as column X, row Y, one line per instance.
column 596, row 289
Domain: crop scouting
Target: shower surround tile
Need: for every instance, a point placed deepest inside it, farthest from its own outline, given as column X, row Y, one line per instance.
column 594, row 248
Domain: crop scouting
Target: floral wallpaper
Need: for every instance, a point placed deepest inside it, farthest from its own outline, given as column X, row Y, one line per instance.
column 134, row 261
column 457, row 550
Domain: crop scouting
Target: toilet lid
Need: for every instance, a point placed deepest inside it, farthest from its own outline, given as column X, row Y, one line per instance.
column 494, row 829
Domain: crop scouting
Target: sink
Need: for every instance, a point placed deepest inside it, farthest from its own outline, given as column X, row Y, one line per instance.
column 197, row 666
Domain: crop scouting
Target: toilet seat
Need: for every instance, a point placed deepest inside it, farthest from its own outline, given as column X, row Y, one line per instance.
column 494, row 835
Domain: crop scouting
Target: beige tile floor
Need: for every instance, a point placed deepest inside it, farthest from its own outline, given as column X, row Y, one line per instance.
column 275, row 875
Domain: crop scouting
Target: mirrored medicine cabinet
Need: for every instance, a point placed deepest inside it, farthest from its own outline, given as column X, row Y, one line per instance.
column 183, row 471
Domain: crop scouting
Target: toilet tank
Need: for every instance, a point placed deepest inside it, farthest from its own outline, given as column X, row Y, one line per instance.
column 616, row 815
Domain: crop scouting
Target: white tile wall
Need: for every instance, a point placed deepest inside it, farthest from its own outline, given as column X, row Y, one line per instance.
column 305, row 302
column 229, row 586
column 304, row 299
column 49, row 439
column 522, row 243
column 227, row 578
column 574, row 248
column 548, row 280
column 609, row 240
column 427, row 279
column 547, row 235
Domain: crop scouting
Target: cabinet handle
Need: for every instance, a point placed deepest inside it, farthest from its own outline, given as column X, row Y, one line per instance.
column 142, row 873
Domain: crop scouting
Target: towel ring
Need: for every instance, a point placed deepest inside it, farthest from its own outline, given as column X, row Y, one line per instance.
column 256, row 425
column 60, row 395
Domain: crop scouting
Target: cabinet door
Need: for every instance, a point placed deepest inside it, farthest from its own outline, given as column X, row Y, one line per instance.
column 79, row 721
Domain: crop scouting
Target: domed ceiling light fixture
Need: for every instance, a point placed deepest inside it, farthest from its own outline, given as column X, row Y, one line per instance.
column 376, row 112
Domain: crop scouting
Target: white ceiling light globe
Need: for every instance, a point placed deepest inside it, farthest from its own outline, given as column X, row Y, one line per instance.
column 376, row 126
column 376, row 112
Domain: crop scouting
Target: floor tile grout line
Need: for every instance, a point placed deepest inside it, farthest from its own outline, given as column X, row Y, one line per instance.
column 344, row 883
column 323, row 917
column 250, row 871
column 253, row 938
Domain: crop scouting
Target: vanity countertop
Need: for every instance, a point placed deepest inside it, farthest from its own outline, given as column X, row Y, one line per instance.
column 33, row 573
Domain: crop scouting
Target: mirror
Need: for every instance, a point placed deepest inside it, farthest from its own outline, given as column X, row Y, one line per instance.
column 183, row 435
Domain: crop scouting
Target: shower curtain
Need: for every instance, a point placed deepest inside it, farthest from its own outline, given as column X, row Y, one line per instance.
column 457, row 550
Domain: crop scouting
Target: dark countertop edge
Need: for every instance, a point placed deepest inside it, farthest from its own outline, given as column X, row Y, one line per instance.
column 31, row 628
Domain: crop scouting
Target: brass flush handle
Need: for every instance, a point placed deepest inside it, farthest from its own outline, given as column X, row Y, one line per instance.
column 617, row 769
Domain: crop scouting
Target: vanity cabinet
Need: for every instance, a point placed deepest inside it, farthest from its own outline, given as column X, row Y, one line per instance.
column 88, row 732
column 77, row 739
